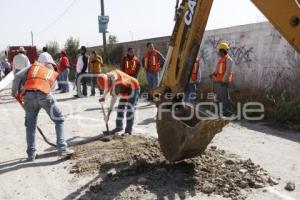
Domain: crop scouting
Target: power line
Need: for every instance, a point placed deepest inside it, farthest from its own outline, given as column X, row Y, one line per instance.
column 58, row 18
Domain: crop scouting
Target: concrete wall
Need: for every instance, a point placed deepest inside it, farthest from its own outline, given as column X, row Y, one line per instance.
column 263, row 58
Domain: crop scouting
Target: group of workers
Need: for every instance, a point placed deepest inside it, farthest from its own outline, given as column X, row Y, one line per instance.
column 38, row 80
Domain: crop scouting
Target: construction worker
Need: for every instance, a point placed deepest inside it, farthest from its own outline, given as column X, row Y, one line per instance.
column 37, row 81
column 152, row 62
column 223, row 77
column 20, row 61
column 130, row 63
column 126, row 87
column 195, row 79
column 95, row 62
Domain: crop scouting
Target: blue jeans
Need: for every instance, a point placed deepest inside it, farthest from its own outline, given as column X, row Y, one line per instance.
column 223, row 97
column 33, row 102
column 127, row 104
column 190, row 93
column 152, row 79
column 63, row 81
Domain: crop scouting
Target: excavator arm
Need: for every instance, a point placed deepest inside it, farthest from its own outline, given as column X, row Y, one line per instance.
column 180, row 138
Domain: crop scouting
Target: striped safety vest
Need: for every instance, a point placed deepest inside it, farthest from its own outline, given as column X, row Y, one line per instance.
column 40, row 78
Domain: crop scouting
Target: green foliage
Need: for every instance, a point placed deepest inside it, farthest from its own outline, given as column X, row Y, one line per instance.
column 53, row 49
column 280, row 110
column 71, row 47
column 143, row 81
column 285, row 113
column 114, row 51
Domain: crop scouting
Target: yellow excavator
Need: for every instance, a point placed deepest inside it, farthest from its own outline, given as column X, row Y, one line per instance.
column 181, row 139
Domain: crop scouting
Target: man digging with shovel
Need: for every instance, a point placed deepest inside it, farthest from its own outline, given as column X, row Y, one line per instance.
column 37, row 81
column 121, row 85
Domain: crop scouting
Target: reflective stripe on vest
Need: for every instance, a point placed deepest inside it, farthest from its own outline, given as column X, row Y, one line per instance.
column 35, row 71
column 154, row 61
column 40, row 78
column 131, row 66
column 221, row 70
column 195, row 70
column 124, row 79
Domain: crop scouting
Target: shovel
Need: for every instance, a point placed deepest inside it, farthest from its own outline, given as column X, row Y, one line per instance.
column 38, row 128
column 105, row 120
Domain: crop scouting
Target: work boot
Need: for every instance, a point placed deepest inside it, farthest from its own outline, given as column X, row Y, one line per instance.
column 31, row 158
column 127, row 133
column 67, row 152
column 116, row 130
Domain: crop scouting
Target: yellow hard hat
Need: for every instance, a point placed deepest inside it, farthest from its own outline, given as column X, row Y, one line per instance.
column 224, row 46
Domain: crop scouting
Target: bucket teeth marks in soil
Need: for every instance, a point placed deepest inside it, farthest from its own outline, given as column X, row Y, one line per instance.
column 134, row 167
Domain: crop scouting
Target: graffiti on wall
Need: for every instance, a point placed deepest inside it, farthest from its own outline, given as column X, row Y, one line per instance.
column 293, row 58
column 240, row 54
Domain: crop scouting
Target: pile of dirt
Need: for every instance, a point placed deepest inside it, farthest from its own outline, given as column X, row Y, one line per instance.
column 133, row 167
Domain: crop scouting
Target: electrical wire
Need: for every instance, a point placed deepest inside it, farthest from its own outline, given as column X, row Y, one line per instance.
column 57, row 19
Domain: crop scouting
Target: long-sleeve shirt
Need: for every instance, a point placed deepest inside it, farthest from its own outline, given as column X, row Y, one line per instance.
column 114, row 97
column 20, row 78
column 20, row 61
column 82, row 64
column 45, row 58
column 229, row 68
column 130, row 65
column 63, row 64
column 95, row 64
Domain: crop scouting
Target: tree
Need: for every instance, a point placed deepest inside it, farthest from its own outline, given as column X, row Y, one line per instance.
column 53, row 49
column 114, row 50
column 71, row 47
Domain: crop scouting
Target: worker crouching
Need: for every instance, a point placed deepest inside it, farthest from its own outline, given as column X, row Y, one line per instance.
column 37, row 81
column 120, row 85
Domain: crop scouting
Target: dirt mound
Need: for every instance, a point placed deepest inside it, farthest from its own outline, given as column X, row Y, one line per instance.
column 133, row 167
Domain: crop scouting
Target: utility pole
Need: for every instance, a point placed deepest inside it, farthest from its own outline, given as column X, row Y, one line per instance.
column 31, row 33
column 103, row 34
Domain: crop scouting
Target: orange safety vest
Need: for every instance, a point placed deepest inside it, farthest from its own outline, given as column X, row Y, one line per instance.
column 40, row 78
column 124, row 79
column 152, row 61
column 130, row 67
column 221, row 69
column 195, row 70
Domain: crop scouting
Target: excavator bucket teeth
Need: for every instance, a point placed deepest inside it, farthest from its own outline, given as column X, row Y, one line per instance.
column 179, row 141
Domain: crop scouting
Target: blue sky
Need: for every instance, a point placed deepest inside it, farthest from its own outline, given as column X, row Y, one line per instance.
column 137, row 19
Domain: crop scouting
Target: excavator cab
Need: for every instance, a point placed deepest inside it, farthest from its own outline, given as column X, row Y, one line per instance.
column 184, row 131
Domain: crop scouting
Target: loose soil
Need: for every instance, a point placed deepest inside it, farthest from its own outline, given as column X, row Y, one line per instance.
column 133, row 167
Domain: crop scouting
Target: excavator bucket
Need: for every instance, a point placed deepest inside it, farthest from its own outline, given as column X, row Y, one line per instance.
column 185, row 139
